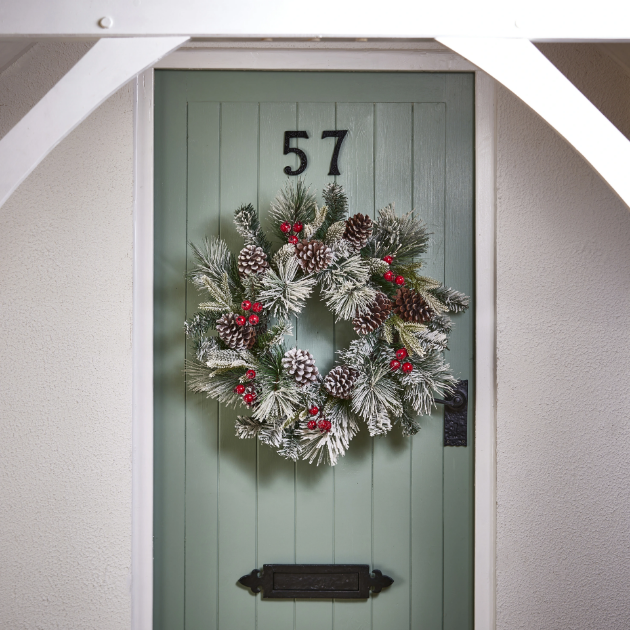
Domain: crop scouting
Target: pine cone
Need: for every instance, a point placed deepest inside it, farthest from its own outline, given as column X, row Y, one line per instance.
column 340, row 381
column 358, row 230
column 313, row 255
column 411, row 306
column 235, row 336
column 301, row 365
column 379, row 311
column 252, row 259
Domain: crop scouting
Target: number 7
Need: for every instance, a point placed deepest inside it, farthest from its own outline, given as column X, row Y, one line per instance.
column 340, row 135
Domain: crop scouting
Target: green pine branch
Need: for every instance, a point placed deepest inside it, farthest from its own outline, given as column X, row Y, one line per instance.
column 280, row 397
column 294, row 203
column 404, row 237
column 282, row 293
column 214, row 259
column 454, row 301
column 274, row 336
column 199, row 324
column 220, row 294
column 248, row 226
column 336, row 201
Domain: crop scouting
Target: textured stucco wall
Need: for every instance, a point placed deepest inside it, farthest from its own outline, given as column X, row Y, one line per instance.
column 65, row 368
column 563, row 429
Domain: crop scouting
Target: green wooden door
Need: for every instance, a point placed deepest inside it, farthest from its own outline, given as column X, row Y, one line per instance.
column 224, row 506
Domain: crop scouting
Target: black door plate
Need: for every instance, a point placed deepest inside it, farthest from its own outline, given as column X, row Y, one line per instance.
column 456, row 416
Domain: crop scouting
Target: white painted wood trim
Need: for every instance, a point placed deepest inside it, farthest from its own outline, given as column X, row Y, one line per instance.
column 607, row 19
column 106, row 67
column 142, row 351
column 526, row 72
column 485, row 352
column 485, row 347
column 407, row 60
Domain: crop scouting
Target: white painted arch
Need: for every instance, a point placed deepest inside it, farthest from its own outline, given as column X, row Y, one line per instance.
column 526, row 72
column 106, row 67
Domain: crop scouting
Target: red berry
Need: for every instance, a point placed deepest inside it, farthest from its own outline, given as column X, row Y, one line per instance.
column 286, row 227
column 314, row 410
column 399, row 280
column 253, row 319
column 293, row 239
column 297, row 227
column 240, row 320
column 254, row 395
column 388, row 275
column 250, row 374
column 389, row 259
column 246, row 305
column 248, row 398
column 324, row 425
column 401, row 354
column 407, row 367
column 240, row 389
column 311, row 424
column 394, row 364
column 257, row 308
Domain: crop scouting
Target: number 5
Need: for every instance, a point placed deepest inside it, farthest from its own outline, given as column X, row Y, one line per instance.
column 288, row 135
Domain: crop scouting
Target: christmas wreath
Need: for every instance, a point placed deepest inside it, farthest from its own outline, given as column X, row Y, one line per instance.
column 368, row 272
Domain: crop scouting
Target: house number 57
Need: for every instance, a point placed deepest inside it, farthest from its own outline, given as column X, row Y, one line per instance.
column 290, row 135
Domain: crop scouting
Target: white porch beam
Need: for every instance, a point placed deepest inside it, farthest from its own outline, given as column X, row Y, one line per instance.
column 531, row 19
column 106, row 67
column 526, row 72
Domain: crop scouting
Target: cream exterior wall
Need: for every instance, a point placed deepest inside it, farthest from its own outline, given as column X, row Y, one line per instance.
column 65, row 368
column 563, row 356
column 563, row 247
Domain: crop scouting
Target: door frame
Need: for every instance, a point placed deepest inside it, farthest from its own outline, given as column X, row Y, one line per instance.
column 358, row 56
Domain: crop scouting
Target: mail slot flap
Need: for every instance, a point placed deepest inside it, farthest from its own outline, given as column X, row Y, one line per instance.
column 315, row 581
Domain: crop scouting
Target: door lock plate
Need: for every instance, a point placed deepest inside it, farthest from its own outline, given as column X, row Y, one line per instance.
column 456, row 416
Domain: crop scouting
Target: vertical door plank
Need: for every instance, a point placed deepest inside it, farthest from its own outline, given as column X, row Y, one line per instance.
column 202, row 414
column 237, row 458
column 315, row 118
column 393, row 159
column 169, row 352
column 315, row 489
column 356, row 161
column 392, row 454
column 353, row 473
column 428, row 180
column 428, row 445
column 459, row 273
column 275, row 119
column 276, row 476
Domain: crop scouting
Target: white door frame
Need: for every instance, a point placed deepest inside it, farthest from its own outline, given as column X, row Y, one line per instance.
column 306, row 56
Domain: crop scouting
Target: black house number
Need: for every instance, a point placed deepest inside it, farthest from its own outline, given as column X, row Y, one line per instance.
column 334, row 166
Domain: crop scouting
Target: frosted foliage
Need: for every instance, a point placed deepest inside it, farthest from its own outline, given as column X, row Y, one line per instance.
column 239, row 334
